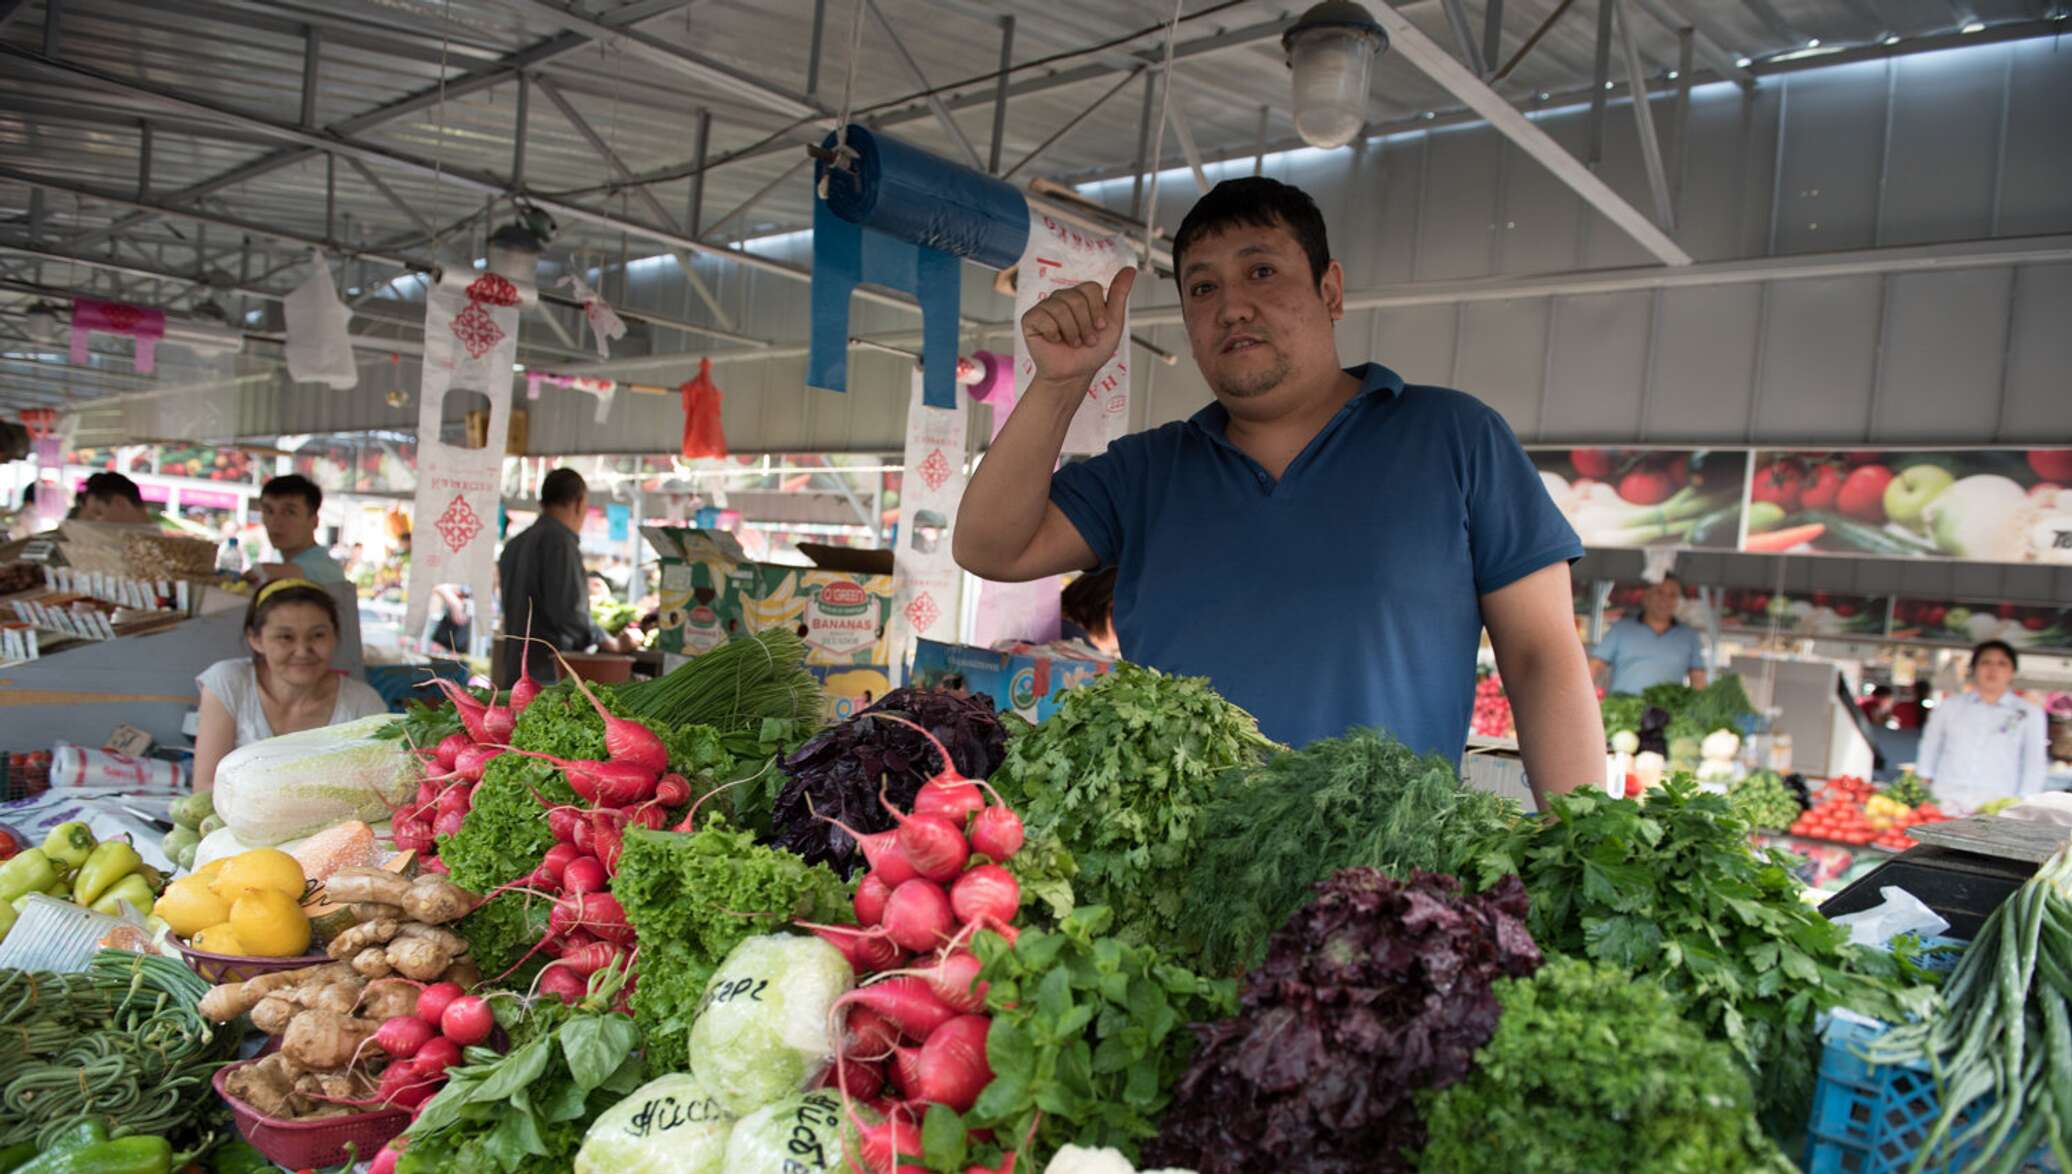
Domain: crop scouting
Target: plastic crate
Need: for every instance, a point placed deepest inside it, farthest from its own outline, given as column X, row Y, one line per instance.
column 326, row 1141
column 1872, row 1119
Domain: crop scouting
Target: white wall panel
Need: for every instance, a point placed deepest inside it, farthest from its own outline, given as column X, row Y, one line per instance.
column 2035, row 166
column 1598, row 354
column 1833, row 130
column 1945, row 136
column 1499, row 346
column 1940, row 380
column 1818, row 346
column 1704, row 363
column 2038, row 407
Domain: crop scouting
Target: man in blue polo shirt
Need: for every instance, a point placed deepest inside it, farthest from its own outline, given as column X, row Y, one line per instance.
column 1653, row 648
column 1325, row 544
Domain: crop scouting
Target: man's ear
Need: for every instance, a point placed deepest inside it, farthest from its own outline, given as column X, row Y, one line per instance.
column 1332, row 290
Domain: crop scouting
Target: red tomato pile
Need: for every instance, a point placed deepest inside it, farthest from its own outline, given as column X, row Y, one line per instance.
column 1838, row 814
column 1492, row 709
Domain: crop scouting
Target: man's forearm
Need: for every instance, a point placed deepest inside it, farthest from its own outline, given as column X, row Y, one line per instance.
column 1004, row 504
column 1560, row 731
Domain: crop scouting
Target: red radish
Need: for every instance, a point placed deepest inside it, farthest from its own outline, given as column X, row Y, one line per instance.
column 574, row 939
column 988, row 891
column 995, row 925
column 405, row 1086
column 589, row 959
column 869, row 902
column 564, row 984
column 610, row 842
column 861, row 1079
column 438, row 1053
column 868, row 950
column 433, row 1000
column 412, row 837
column 955, row 981
column 891, row 1146
column 905, row 1001
column 871, row 1035
column 525, row 689
column 955, row 802
column 917, row 916
column 432, row 864
column 402, row 1036
column 466, row 705
column 880, row 848
column 953, row 1068
column 935, row 846
column 452, row 799
column 584, row 874
column 627, row 742
column 684, row 825
column 600, row 913
column 471, row 762
column 449, row 823
column 542, row 878
column 557, row 859
column 562, row 821
column 584, row 836
column 649, row 816
column 997, row 832
column 906, row 1071
column 428, row 793
column 499, row 723
column 384, row 1162
column 673, row 791
column 591, row 778
column 466, row 1021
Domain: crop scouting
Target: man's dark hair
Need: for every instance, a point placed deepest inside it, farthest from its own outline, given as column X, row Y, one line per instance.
column 106, row 485
column 562, row 486
column 1260, row 203
column 295, row 485
column 2013, row 660
column 1089, row 600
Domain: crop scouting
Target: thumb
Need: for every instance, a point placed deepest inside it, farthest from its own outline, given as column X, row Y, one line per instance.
column 1119, row 289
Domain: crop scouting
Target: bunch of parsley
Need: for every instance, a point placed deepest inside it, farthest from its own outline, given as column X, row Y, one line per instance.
column 1590, row 1069
column 1670, row 889
column 1123, row 774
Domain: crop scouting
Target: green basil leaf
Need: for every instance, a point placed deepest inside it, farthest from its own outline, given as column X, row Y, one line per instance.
column 943, row 1143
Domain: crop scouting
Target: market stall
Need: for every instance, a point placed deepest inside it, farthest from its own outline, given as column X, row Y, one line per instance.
column 687, row 925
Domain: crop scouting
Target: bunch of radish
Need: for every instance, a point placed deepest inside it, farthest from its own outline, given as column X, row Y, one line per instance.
column 915, row 1035
column 422, row 1046
column 445, row 797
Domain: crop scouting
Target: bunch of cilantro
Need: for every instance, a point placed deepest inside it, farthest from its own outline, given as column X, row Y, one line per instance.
column 1362, row 800
column 505, row 834
column 1670, row 889
column 692, row 898
column 527, row 1110
column 1123, row 775
column 1375, row 990
column 1591, row 1069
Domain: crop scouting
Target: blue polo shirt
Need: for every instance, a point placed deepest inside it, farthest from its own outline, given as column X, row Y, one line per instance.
column 1640, row 656
column 1345, row 594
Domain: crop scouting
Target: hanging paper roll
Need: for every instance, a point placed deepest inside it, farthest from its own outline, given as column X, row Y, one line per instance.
column 470, row 340
column 899, row 217
column 993, row 387
column 1060, row 257
column 141, row 323
column 927, row 583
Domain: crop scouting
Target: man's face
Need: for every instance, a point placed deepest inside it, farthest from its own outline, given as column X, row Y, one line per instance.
column 1255, row 319
column 1662, row 599
column 290, row 523
column 112, row 509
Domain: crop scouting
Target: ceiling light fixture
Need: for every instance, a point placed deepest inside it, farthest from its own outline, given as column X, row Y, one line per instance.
column 1331, row 51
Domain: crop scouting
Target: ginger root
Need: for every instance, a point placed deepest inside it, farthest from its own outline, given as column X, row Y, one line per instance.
column 419, row 959
column 387, row 998
column 376, row 911
column 273, row 1014
column 363, row 935
column 372, row 962
column 325, row 1039
column 371, row 886
column 434, row 900
column 231, row 999
column 463, row 972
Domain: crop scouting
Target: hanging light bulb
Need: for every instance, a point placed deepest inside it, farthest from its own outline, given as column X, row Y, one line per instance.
column 1331, row 51
column 514, row 253
column 42, row 320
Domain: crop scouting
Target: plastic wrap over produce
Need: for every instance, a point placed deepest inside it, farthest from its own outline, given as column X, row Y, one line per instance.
column 797, row 1135
column 761, row 1030
column 670, row 1125
column 923, row 199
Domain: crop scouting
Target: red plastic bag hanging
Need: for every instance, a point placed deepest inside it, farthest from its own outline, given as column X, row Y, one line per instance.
column 702, row 434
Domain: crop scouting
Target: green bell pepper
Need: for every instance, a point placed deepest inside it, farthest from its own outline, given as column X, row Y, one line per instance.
column 125, row 1155
column 108, row 863
column 15, row 1155
column 29, row 872
column 69, row 844
column 89, row 1131
column 239, row 1157
column 132, row 888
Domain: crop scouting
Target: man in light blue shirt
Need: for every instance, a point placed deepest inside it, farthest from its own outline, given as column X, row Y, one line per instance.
column 1985, row 743
column 288, row 507
column 1654, row 649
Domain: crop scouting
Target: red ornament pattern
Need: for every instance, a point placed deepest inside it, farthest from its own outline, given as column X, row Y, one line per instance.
column 476, row 330
column 459, row 525
column 493, row 288
column 935, row 469
column 923, row 612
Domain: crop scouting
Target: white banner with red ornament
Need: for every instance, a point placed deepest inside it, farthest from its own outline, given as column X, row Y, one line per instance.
column 927, row 583
column 470, row 342
column 1059, row 256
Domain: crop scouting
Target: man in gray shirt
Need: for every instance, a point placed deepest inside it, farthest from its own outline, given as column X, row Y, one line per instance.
column 541, row 573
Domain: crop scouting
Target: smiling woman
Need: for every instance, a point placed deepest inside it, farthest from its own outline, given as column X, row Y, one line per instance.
column 287, row 685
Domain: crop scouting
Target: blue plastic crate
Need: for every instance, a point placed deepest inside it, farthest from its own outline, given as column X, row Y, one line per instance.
column 1872, row 1119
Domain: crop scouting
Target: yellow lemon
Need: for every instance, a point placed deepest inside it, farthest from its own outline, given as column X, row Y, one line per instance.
column 270, row 924
column 262, row 868
column 219, row 939
column 190, row 907
column 208, row 872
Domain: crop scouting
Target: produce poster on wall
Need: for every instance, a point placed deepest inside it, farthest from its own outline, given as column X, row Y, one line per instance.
column 2000, row 506
column 1817, row 613
column 1957, row 622
column 1623, row 498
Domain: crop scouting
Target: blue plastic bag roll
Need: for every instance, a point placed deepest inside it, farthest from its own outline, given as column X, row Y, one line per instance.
column 923, row 199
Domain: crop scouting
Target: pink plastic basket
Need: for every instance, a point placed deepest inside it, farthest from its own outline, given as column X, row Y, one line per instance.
column 220, row 968
column 298, row 1145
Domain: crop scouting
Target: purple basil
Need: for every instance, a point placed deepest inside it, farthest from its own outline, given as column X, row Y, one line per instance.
column 841, row 769
column 1373, row 991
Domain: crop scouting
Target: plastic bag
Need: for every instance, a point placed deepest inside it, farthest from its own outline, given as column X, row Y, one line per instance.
column 702, row 434
column 761, row 1031
column 793, row 1136
column 319, row 346
column 1900, row 912
column 669, row 1125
